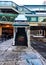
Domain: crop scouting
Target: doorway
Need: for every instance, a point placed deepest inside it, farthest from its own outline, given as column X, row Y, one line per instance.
column 21, row 37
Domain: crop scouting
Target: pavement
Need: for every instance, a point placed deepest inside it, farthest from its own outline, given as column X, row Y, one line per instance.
column 19, row 55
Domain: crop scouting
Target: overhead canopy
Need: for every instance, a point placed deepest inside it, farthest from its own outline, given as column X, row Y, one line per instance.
column 20, row 17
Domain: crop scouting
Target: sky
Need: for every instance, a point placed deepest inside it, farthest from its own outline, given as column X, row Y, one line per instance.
column 26, row 2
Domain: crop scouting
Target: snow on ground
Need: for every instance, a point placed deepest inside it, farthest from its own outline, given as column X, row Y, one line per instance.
column 19, row 55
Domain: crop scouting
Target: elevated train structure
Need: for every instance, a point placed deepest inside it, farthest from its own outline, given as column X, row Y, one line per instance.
column 35, row 14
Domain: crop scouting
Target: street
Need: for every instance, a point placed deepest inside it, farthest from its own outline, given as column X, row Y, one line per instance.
column 39, row 47
column 19, row 55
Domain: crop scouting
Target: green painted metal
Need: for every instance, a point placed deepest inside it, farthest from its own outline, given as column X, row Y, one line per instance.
column 20, row 25
column 7, row 17
column 6, row 14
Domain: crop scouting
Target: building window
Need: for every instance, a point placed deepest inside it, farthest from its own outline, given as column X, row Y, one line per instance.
column 34, row 19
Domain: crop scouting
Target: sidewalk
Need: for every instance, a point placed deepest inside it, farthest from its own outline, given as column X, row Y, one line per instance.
column 19, row 55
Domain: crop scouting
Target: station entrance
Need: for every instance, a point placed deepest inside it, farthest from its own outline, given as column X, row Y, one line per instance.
column 21, row 31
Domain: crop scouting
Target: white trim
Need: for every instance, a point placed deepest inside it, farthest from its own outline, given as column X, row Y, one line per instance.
column 42, row 15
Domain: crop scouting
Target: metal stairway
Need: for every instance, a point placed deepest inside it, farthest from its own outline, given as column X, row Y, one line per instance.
column 21, row 37
column 5, row 5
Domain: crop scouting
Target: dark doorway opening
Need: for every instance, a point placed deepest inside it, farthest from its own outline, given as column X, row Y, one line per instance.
column 21, row 37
